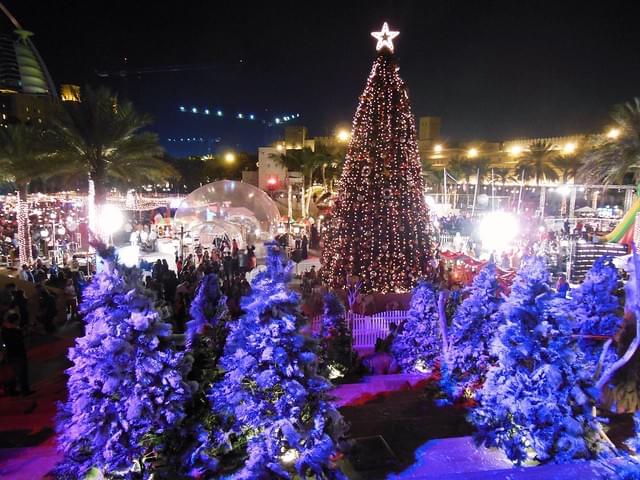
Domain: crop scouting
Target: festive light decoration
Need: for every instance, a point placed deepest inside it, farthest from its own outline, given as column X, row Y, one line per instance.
column 537, row 401
column 91, row 208
column 271, row 401
column 127, row 385
column 384, row 37
column 380, row 230
column 24, row 233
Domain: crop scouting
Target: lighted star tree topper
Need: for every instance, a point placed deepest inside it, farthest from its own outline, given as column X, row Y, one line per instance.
column 380, row 231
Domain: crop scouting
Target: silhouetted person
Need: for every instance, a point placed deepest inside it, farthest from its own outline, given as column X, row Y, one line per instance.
column 16, row 355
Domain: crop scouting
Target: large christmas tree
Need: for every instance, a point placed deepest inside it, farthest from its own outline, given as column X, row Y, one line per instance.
column 380, row 229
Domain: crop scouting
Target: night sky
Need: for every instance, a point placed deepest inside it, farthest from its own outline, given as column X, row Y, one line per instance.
column 491, row 70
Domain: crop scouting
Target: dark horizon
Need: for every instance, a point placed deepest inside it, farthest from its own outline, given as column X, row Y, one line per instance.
column 491, row 70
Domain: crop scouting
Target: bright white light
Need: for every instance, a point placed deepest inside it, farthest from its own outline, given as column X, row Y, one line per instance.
column 257, row 232
column 61, row 230
column 194, row 110
column 569, row 147
column 277, row 120
column 219, row 113
column 472, row 152
column 497, row 230
column 343, row 135
column 289, row 456
column 206, row 111
column 564, row 190
column 515, row 150
column 613, row 133
column 240, row 115
column 430, row 201
column 437, row 148
column 44, row 233
column 385, row 37
column 252, row 117
column 111, row 219
column 182, row 109
column 129, row 255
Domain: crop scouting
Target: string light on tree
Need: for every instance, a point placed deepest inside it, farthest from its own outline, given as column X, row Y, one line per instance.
column 384, row 37
column 380, row 231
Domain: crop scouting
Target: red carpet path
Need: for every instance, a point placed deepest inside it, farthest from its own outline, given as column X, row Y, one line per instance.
column 27, row 438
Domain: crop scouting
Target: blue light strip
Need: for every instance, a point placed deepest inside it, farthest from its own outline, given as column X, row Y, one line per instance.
column 240, row 116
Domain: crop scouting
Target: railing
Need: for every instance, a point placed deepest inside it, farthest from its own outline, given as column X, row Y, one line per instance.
column 366, row 329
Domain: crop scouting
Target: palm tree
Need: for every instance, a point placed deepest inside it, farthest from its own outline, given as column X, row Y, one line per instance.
column 536, row 162
column 23, row 158
column 617, row 160
column 461, row 167
column 307, row 162
column 101, row 136
column 481, row 167
column 503, row 174
column 568, row 166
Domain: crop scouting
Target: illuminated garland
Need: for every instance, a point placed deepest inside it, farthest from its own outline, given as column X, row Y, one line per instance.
column 380, row 230
column 24, row 236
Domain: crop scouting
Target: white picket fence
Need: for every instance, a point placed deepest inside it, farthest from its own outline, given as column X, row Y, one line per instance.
column 366, row 329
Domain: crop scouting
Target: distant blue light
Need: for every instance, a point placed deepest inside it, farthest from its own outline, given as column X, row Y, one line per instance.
column 286, row 119
column 219, row 113
column 206, row 111
column 277, row 120
column 194, row 110
column 182, row 108
column 240, row 115
column 252, row 117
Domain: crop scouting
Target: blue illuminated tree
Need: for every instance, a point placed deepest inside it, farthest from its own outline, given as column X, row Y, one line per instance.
column 271, row 403
column 537, row 401
column 335, row 352
column 474, row 326
column 418, row 345
column 126, row 386
column 597, row 310
column 189, row 446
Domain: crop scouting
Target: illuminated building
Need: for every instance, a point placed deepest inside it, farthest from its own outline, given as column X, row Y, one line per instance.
column 27, row 92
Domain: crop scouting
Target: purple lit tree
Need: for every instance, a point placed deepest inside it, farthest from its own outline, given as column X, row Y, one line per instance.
column 126, row 385
column 537, row 401
column 336, row 354
column 474, row 326
column 271, row 403
column 597, row 310
column 189, row 449
column 418, row 345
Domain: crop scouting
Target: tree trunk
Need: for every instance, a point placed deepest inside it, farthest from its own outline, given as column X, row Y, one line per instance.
column 24, row 234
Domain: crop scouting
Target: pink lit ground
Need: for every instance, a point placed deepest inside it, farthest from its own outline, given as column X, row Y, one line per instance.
column 427, row 442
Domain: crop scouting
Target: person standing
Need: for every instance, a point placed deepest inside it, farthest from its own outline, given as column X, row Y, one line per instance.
column 305, row 247
column 16, row 355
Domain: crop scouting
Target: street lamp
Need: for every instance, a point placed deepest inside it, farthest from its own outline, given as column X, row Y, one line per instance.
column 343, row 136
column 569, row 147
column 472, row 152
column 437, row 148
column 613, row 133
column 229, row 157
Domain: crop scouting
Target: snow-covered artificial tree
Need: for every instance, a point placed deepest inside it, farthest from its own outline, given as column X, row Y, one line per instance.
column 597, row 310
column 272, row 405
column 418, row 345
column 190, row 452
column 473, row 328
column 537, row 402
column 127, row 385
column 335, row 352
